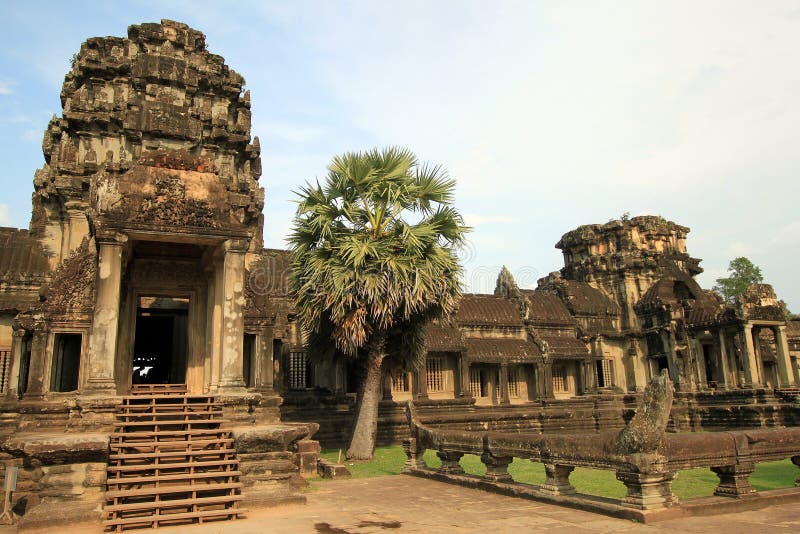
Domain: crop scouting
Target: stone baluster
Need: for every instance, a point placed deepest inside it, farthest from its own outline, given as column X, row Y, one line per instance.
column 557, row 479
column 647, row 491
column 450, row 465
column 413, row 454
column 734, row 480
column 796, row 461
column 497, row 467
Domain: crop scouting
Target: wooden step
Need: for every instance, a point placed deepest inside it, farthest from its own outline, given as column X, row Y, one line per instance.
column 160, row 433
column 165, row 422
column 156, row 519
column 202, row 464
column 171, row 478
column 161, row 490
column 172, row 503
column 143, row 389
column 184, row 413
column 171, row 454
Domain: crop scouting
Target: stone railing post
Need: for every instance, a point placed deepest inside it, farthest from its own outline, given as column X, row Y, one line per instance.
column 557, row 479
column 734, row 480
column 414, row 455
column 450, row 465
column 649, row 490
column 796, row 461
column 497, row 467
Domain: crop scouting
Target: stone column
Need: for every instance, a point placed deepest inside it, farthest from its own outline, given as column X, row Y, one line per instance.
column 723, row 357
column 785, row 371
column 36, row 369
column 749, row 358
column 266, row 368
column 105, row 322
column 422, row 380
column 387, row 384
column 463, row 368
column 546, row 380
column 231, row 369
column 504, row 397
column 17, row 343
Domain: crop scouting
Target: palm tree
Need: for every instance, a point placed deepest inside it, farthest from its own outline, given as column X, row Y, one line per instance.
column 373, row 254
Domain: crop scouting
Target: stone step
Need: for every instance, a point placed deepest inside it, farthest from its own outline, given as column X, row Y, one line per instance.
column 193, row 445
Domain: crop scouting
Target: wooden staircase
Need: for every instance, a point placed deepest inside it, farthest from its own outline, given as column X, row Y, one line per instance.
column 171, row 462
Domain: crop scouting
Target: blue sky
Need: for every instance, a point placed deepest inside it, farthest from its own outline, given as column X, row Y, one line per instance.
column 549, row 114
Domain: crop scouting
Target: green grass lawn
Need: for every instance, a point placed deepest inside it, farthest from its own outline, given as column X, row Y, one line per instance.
column 688, row 484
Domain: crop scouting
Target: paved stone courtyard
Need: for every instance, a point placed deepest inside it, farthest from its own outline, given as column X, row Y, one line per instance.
column 408, row 504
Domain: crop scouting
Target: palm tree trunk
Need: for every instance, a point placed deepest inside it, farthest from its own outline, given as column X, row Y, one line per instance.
column 362, row 444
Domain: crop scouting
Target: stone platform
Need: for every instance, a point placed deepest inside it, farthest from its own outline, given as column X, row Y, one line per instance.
column 410, row 504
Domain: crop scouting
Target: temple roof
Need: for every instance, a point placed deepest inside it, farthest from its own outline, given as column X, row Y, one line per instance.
column 502, row 350
column 546, row 308
column 487, row 310
column 24, row 268
column 443, row 338
column 563, row 345
column 21, row 255
column 583, row 299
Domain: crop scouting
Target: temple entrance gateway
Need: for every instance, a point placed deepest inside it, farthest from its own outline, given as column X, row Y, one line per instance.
column 161, row 340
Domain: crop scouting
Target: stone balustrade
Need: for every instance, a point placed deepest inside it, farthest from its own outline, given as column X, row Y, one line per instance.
column 645, row 458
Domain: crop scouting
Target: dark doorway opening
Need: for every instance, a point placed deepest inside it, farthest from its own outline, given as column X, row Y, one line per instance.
column 161, row 344
column 66, row 362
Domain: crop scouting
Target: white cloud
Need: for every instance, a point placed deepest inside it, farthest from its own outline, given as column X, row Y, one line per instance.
column 5, row 88
column 4, row 219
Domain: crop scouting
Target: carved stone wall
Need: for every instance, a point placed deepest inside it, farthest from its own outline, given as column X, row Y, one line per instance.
column 155, row 131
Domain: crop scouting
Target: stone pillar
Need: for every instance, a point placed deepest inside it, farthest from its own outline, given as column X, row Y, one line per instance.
column 105, row 322
column 422, row 380
column 231, row 369
column 463, row 368
column 785, row 371
column 78, row 226
column 36, row 386
column 749, row 358
column 723, row 357
column 266, row 374
column 17, row 343
column 414, row 455
column 387, row 384
column 504, row 398
column 544, row 380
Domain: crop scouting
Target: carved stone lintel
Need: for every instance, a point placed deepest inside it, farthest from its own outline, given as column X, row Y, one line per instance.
column 734, row 480
column 450, row 465
column 497, row 467
column 557, row 479
column 647, row 491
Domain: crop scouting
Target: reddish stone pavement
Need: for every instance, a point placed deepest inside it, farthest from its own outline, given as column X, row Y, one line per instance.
column 406, row 504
